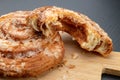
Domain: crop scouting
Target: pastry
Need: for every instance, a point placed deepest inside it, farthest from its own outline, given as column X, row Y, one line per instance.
column 30, row 43
column 85, row 31
column 24, row 51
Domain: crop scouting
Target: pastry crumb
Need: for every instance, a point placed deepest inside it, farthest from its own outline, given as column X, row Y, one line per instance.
column 74, row 55
column 71, row 66
column 64, row 61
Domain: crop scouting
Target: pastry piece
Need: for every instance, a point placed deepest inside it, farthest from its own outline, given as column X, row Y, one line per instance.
column 30, row 43
column 24, row 51
column 85, row 31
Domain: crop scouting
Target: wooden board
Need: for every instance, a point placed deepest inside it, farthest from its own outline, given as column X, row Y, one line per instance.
column 80, row 65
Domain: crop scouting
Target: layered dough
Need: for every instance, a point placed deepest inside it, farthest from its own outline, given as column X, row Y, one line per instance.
column 85, row 31
column 30, row 43
column 24, row 51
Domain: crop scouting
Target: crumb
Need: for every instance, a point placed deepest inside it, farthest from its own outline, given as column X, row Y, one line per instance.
column 64, row 61
column 61, row 64
column 74, row 55
column 70, row 66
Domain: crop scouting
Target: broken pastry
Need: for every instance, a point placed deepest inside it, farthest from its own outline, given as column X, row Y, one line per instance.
column 30, row 43
column 85, row 31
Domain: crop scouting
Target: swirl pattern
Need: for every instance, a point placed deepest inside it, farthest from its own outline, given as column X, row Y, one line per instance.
column 24, row 51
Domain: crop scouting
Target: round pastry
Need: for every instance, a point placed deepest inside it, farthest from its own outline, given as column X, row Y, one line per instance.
column 85, row 31
column 25, row 51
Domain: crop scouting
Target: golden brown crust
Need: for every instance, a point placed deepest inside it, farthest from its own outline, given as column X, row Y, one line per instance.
column 88, row 33
column 30, row 43
column 24, row 51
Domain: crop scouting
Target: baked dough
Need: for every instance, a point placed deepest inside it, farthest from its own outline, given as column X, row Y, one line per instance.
column 30, row 43
column 85, row 31
column 24, row 51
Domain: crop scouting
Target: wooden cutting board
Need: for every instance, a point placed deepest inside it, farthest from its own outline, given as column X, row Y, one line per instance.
column 80, row 64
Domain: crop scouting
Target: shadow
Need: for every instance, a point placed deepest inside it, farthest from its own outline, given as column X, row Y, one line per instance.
column 110, row 74
column 110, row 77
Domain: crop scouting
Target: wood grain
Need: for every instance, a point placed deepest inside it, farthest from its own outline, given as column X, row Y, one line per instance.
column 79, row 64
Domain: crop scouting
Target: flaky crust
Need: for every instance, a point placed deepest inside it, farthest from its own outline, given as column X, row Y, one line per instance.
column 30, row 43
column 24, row 51
column 85, row 31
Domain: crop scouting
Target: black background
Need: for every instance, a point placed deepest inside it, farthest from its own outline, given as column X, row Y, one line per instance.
column 105, row 12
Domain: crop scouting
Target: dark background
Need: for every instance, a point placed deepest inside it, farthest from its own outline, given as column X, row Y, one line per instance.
column 105, row 12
